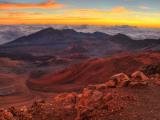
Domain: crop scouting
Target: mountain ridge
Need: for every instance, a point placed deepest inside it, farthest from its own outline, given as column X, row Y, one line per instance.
column 53, row 41
column 51, row 30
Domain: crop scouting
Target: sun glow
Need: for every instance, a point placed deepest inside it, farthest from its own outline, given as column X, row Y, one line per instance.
column 51, row 12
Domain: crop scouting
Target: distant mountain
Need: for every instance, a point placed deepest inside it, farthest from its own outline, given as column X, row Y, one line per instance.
column 64, row 42
column 11, row 32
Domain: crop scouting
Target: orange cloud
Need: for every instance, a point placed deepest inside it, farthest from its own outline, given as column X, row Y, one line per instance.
column 120, row 9
column 95, row 12
column 48, row 4
column 22, row 14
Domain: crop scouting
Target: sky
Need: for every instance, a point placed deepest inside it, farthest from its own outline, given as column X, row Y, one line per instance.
column 141, row 13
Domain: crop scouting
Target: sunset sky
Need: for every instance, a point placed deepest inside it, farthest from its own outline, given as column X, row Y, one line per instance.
column 143, row 13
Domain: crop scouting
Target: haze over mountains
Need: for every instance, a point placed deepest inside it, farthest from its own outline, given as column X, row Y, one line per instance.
column 66, row 42
column 12, row 32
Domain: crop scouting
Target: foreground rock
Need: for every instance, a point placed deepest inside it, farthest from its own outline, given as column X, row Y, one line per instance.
column 137, row 79
column 91, row 103
column 88, row 105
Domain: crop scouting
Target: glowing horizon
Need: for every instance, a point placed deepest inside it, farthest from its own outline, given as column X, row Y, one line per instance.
column 108, row 13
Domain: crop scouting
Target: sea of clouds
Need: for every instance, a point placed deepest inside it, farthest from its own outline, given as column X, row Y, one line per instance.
column 11, row 32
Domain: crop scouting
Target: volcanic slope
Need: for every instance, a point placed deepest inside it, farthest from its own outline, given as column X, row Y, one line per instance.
column 98, row 70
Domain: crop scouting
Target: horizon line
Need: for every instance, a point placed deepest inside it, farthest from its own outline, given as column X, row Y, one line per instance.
column 138, row 26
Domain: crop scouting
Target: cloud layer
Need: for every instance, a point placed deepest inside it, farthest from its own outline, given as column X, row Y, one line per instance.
column 9, row 33
column 44, row 5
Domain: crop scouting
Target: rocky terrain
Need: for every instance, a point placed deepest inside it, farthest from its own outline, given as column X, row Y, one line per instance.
column 123, row 97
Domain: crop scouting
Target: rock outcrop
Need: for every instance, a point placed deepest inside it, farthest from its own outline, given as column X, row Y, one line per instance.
column 137, row 79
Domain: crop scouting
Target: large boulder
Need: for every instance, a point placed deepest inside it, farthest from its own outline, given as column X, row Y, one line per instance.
column 119, row 80
column 120, row 77
column 138, row 75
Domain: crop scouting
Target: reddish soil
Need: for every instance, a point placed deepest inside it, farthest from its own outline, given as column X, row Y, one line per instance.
column 14, row 92
column 13, row 89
